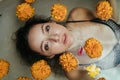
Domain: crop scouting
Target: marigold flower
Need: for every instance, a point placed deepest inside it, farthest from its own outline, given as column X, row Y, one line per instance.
column 104, row 11
column 102, row 78
column 23, row 78
column 58, row 12
column 24, row 11
column 4, row 68
column 30, row 1
column 68, row 61
column 93, row 70
column 93, row 48
column 40, row 70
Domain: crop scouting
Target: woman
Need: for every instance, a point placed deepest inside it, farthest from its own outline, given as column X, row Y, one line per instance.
column 44, row 39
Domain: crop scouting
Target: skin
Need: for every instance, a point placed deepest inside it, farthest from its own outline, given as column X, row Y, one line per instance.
column 76, row 15
column 55, row 38
column 58, row 32
column 86, row 30
column 49, row 39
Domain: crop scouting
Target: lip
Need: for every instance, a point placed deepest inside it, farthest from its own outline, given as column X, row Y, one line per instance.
column 65, row 39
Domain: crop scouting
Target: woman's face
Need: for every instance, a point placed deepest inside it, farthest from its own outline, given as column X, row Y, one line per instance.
column 49, row 39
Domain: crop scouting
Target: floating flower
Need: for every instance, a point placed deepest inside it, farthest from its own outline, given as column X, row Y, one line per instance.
column 40, row 70
column 30, row 1
column 93, row 48
column 93, row 70
column 104, row 11
column 23, row 78
column 58, row 12
column 68, row 61
column 4, row 68
column 102, row 78
column 24, row 11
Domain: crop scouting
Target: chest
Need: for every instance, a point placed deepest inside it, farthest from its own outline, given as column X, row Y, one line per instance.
column 82, row 31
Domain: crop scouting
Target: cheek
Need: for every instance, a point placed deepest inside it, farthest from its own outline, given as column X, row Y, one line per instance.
column 60, row 29
column 58, row 48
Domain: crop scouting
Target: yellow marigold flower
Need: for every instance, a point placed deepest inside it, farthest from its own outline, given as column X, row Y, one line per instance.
column 68, row 61
column 102, row 78
column 104, row 11
column 30, row 1
column 23, row 78
column 40, row 70
column 24, row 11
column 93, row 70
column 4, row 68
column 58, row 12
column 93, row 48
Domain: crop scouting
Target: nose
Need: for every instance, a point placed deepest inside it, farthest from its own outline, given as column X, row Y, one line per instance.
column 54, row 37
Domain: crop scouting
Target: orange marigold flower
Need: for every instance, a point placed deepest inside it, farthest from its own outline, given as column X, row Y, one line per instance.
column 24, row 11
column 58, row 12
column 40, row 70
column 104, row 11
column 102, row 78
column 68, row 61
column 4, row 68
column 30, row 1
column 93, row 48
column 23, row 78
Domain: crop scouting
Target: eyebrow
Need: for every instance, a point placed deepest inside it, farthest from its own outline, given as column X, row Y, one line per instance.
column 42, row 28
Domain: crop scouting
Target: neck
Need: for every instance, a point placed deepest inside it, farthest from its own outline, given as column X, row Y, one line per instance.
column 77, row 38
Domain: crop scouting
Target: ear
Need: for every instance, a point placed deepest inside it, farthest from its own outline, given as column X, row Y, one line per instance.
column 50, row 56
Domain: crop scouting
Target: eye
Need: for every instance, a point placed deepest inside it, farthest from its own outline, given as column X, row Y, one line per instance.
column 47, row 28
column 46, row 47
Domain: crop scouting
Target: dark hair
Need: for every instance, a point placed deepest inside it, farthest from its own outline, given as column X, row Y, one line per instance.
column 24, row 49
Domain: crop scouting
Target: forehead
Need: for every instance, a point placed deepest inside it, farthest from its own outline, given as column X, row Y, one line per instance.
column 35, row 37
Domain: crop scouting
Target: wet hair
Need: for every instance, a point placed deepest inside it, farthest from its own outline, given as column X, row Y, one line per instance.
column 26, row 52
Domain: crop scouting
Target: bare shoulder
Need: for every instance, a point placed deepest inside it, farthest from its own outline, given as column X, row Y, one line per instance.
column 80, row 14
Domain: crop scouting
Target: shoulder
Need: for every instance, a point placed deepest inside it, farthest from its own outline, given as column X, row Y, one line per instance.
column 80, row 14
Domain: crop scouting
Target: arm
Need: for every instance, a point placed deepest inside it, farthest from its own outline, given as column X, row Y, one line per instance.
column 78, row 75
column 73, row 75
column 115, row 9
